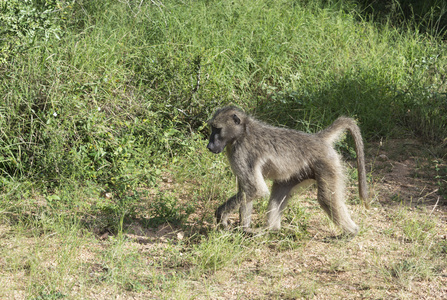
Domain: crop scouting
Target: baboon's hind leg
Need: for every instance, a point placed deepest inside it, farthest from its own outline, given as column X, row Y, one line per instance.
column 331, row 198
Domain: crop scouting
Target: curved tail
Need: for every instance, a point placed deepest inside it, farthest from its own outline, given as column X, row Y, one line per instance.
column 334, row 132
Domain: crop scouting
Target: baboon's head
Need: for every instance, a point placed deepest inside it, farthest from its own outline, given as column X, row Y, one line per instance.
column 227, row 125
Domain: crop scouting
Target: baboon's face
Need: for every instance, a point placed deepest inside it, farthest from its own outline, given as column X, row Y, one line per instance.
column 217, row 143
column 226, row 126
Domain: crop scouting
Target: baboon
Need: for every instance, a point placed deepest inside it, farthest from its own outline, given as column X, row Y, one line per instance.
column 291, row 158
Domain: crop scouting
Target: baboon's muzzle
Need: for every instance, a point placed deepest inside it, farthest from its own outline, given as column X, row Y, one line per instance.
column 214, row 149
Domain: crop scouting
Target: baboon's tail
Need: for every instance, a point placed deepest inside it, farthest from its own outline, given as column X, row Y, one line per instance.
column 333, row 133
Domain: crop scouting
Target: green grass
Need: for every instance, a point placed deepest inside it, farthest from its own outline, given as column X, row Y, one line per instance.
column 118, row 91
column 103, row 107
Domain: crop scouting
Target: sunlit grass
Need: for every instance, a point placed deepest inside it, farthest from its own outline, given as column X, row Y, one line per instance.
column 102, row 141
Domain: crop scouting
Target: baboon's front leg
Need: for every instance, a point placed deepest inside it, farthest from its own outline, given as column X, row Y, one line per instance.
column 225, row 209
column 278, row 200
column 253, row 189
column 245, row 211
column 250, row 187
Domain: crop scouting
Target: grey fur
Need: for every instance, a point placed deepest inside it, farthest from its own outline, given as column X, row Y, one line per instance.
column 290, row 158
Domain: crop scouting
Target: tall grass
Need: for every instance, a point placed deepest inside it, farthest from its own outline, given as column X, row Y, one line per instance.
column 120, row 87
column 110, row 94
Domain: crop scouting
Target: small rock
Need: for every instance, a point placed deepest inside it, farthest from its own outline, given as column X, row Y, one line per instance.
column 383, row 157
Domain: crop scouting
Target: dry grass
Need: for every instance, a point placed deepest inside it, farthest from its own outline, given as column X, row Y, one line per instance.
column 400, row 252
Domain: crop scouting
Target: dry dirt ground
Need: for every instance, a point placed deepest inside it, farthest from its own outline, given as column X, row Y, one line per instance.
column 400, row 253
column 381, row 263
column 396, row 255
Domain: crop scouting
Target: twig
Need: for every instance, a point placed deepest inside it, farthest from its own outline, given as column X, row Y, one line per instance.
column 420, row 198
column 436, row 204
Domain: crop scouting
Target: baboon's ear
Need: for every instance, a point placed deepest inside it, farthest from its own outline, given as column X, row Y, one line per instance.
column 236, row 119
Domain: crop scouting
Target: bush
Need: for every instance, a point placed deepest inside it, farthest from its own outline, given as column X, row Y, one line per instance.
column 110, row 91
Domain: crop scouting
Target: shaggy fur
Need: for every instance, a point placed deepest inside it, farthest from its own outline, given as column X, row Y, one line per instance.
column 291, row 159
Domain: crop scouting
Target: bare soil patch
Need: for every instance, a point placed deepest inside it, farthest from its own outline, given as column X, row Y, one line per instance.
column 400, row 253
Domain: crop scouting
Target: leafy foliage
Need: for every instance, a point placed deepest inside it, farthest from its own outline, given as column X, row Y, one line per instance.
column 23, row 22
column 110, row 93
